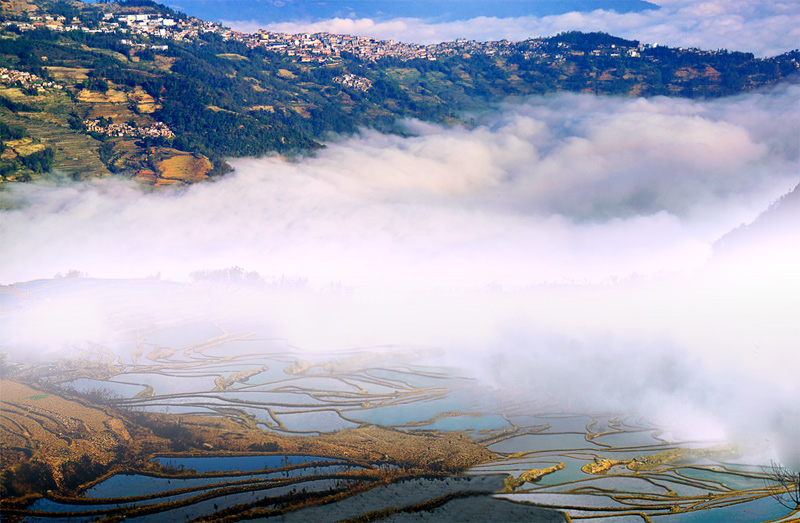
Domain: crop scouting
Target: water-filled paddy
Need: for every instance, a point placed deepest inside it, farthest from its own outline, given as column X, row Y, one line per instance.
column 183, row 335
column 273, row 399
column 570, row 472
column 416, row 400
column 756, row 511
column 272, row 375
column 733, row 481
column 240, row 463
column 125, row 390
column 395, row 495
column 473, row 423
column 46, row 505
column 414, row 380
column 168, row 408
column 541, row 442
column 558, row 423
column 627, row 439
column 218, row 503
column 165, row 382
column 401, row 414
column 124, row 485
column 548, row 499
column 315, row 422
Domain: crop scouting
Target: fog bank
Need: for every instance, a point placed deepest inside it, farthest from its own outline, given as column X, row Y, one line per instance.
column 564, row 245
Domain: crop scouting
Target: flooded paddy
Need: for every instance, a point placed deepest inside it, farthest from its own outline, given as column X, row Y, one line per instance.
column 541, row 465
column 239, row 463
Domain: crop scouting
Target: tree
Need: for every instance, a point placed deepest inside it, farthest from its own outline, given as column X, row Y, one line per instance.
column 787, row 491
column 6, row 369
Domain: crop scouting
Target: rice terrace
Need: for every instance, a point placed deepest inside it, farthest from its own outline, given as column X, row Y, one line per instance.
column 487, row 261
column 206, row 422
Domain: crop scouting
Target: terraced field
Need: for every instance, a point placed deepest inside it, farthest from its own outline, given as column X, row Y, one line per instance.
column 76, row 154
column 207, row 422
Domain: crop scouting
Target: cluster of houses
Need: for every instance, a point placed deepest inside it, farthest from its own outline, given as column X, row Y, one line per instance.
column 354, row 82
column 321, row 47
column 317, row 47
column 101, row 126
column 26, row 80
column 150, row 24
column 304, row 47
column 145, row 23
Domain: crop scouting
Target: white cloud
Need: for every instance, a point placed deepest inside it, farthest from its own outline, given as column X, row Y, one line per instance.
column 605, row 187
column 761, row 26
column 453, row 237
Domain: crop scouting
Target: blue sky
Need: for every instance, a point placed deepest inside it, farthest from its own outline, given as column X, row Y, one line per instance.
column 275, row 11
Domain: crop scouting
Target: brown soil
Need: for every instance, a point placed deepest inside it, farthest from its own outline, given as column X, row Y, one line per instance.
column 57, row 429
column 110, row 96
column 183, row 167
column 54, row 429
column 145, row 104
column 68, row 73
column 17, row 7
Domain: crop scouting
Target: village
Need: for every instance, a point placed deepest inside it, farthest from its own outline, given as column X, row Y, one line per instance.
column 145, row 29
column 25, row 80
column 103, row 127
column 175, row 82
column 354, row 82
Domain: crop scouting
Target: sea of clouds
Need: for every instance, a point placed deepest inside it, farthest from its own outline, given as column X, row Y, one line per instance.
column 764, row 27
column 559, row 189
column 563, row 245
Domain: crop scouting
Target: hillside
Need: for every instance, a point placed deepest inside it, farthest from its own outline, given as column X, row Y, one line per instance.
column 764, row 241
column 135, row 89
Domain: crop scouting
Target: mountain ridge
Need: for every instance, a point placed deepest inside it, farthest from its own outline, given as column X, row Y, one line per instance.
column 164, row 98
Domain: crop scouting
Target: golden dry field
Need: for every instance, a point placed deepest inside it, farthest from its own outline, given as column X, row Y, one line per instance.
column 22, row 147
column 183, row 168
column 62, row 74
column 145, row 104
column 54, row 430
column 164, row 63
column 15, row 7
column 233, row 56
column 111, row 96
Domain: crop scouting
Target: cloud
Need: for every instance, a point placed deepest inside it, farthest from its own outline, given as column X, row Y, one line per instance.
column 763, row 27
column 566, row 237
column 567, row 187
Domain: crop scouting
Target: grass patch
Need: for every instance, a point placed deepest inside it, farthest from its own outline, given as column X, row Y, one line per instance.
column 37, row 397
column 233, row 57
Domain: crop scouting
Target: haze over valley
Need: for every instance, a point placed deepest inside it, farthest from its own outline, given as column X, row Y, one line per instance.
column 530, row 264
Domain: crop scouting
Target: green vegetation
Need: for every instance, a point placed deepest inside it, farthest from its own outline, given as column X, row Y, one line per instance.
column 222, row 98
column 21, row 156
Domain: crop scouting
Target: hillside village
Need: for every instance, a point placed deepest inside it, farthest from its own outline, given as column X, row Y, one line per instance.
column 142, row 29
column 25, row 80
column 133, row 88
column 105, row 128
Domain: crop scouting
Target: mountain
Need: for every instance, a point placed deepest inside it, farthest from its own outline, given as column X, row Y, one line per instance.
column 766, row 240
column 137, row 89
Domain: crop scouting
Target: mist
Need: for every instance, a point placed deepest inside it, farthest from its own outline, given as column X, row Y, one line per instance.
column 563, row 246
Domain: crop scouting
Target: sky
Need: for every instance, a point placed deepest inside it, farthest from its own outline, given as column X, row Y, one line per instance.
column 570, row 237
column 764, row 27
